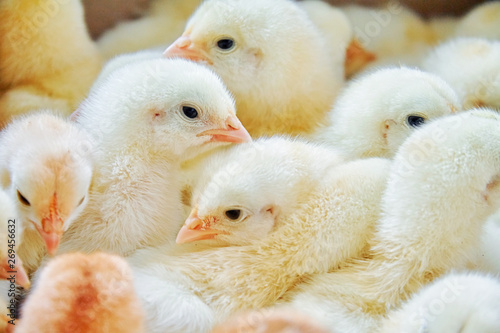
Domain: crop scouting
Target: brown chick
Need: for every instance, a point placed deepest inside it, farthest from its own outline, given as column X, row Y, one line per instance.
column 79, row 293
column 47, row 59
column 272, row 58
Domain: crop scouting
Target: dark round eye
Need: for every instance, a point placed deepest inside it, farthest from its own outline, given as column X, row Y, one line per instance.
column 225, row 44
column 415, row 121
column 190, row 112
column 22, row 199
column 233, row 214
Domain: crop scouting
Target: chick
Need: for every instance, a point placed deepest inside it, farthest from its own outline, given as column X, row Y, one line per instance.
column 482, row 21
column 376, row 112
column 83, row 293
column 10, row 263
column 465, row 302
column 271, row 57
column 346, row 53
column 393, row 33
column 61, row 61
column 160, row 26
column 146, row 118
column 46, row 168
column 470, row 66
column 442, row 186
column 225, row 214
column 319, row 213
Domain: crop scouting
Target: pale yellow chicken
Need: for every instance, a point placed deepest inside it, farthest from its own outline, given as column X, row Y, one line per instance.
column 47, row 59
column 272, row 58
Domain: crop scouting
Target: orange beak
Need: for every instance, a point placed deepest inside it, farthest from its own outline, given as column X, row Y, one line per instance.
column 9, row 269
column 193, row 230
column 233, row 131
column 52, row 228
column 184, row 47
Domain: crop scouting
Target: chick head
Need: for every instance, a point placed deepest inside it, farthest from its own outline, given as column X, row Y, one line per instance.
column 173, row 106
column 269, row 42
column 252, row 187
column 376, row 113
column 48, row 175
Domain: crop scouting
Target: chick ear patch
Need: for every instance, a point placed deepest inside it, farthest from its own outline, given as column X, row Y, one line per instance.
column 256, row 56
column 157, row 115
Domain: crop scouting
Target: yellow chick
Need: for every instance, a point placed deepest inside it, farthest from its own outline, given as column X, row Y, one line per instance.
column 146, row 118
column 482, row 21
column 46, row 166
column 393, row 33
column 47, row 59
column 442, row 186
column 272, row 58
column 160, row 26
column 377, row 111
column 471, row 67
column 318, row 215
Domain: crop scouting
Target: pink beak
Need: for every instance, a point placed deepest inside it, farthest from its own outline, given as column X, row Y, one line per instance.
column 52, row 228
column 232, row 132
column 183, row 47
column 14, row 268
column 193, row 230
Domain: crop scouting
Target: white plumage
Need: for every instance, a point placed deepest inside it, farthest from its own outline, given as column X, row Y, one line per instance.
column 308, row 237
column 459, row 302
column 422, row 234
column 376, row 112
column 471, row 67
column 146, row 118
column 272, row 58
column 46, row 168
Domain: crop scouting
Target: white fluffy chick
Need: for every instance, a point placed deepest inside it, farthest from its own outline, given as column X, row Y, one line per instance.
column 471, row 67
column 160, row 26
column 482, row 21
column 347, row 54
column 236, row 182
column 319, row 213
column 46, row 168
column 393, row 33
column 376, row 112
column 226, row 214
column 443, row 185
column 83, row 294
column 10, row 237
column 465, row 303
column 271, row 57
column 60, row 65
column 146, row 118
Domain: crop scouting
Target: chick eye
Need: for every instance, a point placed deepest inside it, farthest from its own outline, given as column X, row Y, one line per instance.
column 233, row 214
column 415, row 121
column 190, row 112
column 22, row 199
column 225, row 44
column 81, row 201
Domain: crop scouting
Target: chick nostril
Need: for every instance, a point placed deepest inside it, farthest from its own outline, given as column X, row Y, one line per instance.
column 183, row 43
column 233, row 123
column 195, row 224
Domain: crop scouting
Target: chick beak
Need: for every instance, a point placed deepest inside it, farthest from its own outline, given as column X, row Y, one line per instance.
column 193, row 230
column 233, row 131
column 52, row 228
column 9, row 269
column 184, row 47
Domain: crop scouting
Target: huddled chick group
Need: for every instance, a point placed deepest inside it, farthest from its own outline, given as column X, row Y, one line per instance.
column 274, row 167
